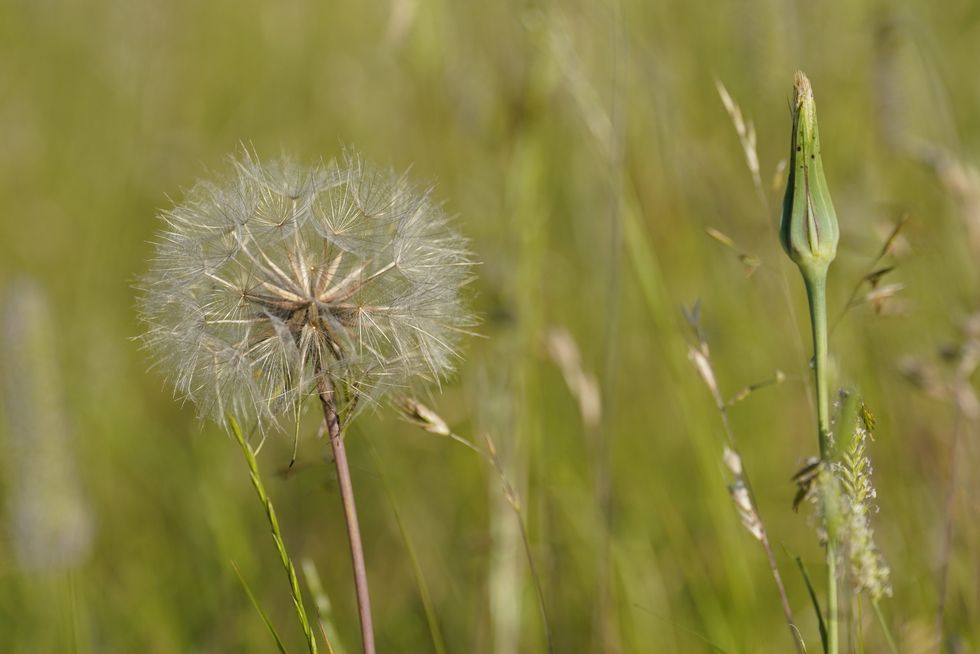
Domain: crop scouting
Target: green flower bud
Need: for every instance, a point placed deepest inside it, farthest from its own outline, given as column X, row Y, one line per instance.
column 808, row 229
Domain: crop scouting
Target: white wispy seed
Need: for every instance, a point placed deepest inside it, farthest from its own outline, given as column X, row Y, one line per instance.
column 280, row 277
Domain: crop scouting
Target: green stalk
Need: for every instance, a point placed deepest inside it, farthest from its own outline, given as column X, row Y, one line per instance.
column 809, row 233
column 270, row 512
column 884, row 627
column 816, row 292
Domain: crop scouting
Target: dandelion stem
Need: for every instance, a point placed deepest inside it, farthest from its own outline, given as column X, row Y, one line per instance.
column 350, row 514
column 816, row 291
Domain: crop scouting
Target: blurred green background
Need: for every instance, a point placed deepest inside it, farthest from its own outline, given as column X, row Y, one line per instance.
column 585, row 150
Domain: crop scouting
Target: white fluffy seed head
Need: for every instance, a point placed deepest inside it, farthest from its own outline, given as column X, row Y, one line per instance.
column 280, row 278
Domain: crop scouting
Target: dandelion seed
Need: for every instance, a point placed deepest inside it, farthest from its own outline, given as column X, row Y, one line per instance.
column 280, row 278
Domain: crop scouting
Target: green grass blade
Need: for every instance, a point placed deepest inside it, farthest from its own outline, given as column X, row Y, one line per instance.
column 884, row 627
column 815, row 601
column 270, row 512
column 322, row 603
column 438, row 643
column 255, row 603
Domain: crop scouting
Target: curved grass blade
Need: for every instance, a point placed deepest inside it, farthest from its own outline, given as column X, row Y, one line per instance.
column 438, row 643
column 255, row 603
column 270, row 512
column 816, row 602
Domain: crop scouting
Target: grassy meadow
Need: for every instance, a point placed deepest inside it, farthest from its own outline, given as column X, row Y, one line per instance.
column 584, row 150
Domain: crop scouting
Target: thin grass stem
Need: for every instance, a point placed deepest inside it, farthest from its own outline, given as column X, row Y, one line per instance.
column 438, row 642
column 703, row 363
column 889, row 637
column 427, row 420
column 258, row 609
column 321, row 600
column 270, row 513
column 764, row 537
column 858, row 625
column 515, row 504
column 946, row 549
column 852, row 299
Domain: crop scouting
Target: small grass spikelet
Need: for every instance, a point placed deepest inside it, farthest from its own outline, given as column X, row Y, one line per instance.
column 869, row 572
column 281, row 279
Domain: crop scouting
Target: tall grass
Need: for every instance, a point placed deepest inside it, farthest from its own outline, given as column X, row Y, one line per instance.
column 108, row 107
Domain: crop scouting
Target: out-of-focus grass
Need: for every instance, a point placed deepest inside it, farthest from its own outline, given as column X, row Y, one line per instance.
column 585, row 150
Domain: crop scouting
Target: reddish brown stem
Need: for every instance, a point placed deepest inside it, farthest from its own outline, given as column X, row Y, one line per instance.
column 350, row 514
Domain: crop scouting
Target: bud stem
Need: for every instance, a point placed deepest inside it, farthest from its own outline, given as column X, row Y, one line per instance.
column 816, row 292
column 350, row 515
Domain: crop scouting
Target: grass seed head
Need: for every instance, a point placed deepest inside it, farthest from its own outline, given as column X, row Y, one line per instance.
column 422, row 416
column 869, row 571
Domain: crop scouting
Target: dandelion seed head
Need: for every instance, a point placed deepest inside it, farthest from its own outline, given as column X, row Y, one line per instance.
column 280, row 278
